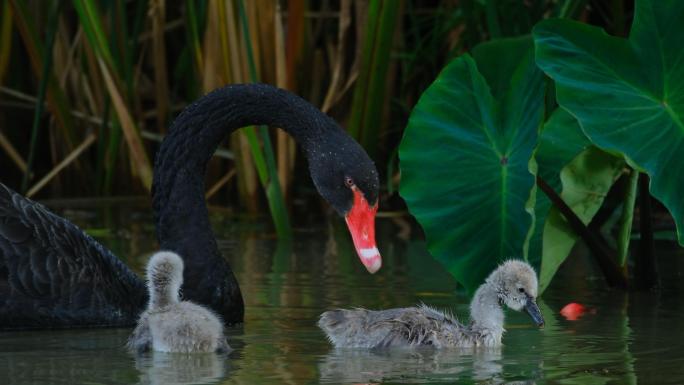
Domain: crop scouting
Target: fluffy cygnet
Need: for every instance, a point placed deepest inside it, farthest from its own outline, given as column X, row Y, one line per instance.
column 513, row 284
column 172, row 325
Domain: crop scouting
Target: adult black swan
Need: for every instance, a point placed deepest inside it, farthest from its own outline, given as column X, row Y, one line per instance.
column 54, row 275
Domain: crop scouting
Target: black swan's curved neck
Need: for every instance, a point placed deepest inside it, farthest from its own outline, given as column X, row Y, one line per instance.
column 178, row 187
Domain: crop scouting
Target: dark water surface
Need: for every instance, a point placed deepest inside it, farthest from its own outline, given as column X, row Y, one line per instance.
column 626, row 338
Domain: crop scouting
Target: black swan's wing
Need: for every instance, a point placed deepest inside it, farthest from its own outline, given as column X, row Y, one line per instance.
column 52, row 274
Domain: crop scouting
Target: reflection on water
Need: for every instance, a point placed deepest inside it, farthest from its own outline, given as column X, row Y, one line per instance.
column 65, row 357
column 449, row 365
column 630, row 337
column 179, row 368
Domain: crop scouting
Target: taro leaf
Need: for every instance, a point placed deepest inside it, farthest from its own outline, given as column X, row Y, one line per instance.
column 560, row 142
column 464, row 158
column 567, row 161
column 586, row 181
column 628, row 94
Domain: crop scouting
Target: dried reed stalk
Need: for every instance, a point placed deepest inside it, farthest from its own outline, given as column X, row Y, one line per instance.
column 89, row 140
column 12, row 153
column 157, row 12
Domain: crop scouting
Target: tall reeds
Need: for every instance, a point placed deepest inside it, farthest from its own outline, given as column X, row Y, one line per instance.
column 369, row 94
column 122, row 70
column 111, row 69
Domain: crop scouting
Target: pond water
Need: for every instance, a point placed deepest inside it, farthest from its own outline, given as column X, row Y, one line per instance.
column 625, row 338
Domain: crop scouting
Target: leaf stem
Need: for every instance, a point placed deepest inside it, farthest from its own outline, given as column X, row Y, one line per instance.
column 611, row 271
column 493, row 20
column 645, row 270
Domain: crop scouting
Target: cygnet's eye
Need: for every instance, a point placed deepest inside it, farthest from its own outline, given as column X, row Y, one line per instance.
column 349, row 182
column 521, row 290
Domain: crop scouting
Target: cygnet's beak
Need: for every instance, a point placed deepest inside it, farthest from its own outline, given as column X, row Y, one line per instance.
column 533, row 310
column 361, row 223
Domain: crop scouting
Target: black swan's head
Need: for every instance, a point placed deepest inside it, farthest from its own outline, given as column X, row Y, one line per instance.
column 341, row 170
column 347, row 178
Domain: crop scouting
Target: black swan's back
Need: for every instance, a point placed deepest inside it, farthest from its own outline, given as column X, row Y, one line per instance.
column 54, row 275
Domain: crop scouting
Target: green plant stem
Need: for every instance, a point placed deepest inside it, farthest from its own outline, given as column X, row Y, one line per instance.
column 627, row 216
column 493, row 20
column 92, row 26
column 369, row 92
column 619, row 21
column 45, row 76
column 193, row 35
column 570, row 8
column 644, row 269
column 263, row 157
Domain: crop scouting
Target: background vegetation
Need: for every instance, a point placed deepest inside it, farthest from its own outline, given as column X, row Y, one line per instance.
column 88, row 88
column 522, row 164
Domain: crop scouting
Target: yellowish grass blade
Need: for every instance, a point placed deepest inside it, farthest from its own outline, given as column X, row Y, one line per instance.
column 211, row 45
column 136, row 149
column 220, row 183
column 12, row 152
column 295, row 39
column 157, row 11
column 336, row 90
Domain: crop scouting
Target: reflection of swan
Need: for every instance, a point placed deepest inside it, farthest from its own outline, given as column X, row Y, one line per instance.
column 514, row 284
column 364, row 366
column 172, row 325
column 54, row 275
column 181, row 368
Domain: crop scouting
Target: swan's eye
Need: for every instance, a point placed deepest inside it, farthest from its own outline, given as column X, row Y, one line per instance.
column 522, row 290
column 349, row 182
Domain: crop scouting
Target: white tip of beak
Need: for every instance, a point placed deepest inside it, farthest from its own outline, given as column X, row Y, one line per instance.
column 374, row 266
column 371, row 259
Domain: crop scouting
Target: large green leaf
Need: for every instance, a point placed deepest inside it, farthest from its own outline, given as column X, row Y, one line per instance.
column 582, row 174
column 586, row 181
column 560, row 142
column 628, row 94
column 464, row 158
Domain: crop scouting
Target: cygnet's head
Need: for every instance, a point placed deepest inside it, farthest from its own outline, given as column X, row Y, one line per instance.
column 516, row 283
column 165, row 274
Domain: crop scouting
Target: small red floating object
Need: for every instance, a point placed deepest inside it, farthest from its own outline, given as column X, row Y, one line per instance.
column 573, row 311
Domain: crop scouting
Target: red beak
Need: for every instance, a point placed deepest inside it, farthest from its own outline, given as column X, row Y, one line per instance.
column 361, row 223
